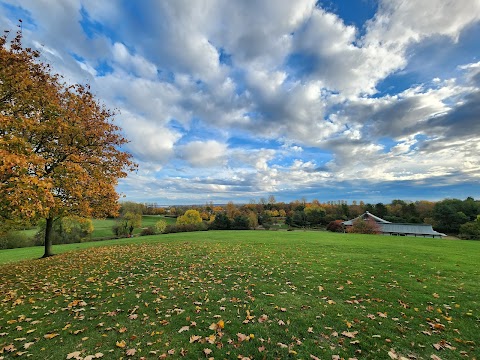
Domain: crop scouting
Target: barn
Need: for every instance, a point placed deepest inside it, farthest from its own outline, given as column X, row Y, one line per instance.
column 398, row 229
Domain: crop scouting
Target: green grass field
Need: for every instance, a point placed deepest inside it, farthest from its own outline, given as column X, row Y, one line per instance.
column 243, row 294
column 103, row 227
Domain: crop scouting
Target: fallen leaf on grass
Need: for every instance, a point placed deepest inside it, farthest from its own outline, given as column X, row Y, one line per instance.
column 350, row 334
column 194, row 338
column 437, row 326
column 50, row 336
column 184, row 328
column 262, row 318
column 242, row 337
column 121, row 344
column 74, row 355
column 443, row 345
column 392, row 354
column 219, row 325
column 130, row 352
column 211, row 339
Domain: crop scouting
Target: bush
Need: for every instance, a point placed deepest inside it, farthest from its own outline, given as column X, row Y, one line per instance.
column 335, row 226
column 15, row 239
column 125, row 224
column 221, row 222
column 120, row 230
column 160, row 226
column 240, row 222
column 361, row 226
column 148, row 231
column 170, row 229
column 470, row 230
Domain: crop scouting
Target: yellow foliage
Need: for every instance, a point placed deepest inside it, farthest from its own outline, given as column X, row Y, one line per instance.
column 190, row 217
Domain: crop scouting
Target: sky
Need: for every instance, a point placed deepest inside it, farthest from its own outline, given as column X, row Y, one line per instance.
column 367, row 100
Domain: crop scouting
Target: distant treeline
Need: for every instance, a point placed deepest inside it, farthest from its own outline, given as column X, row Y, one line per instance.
column 446, row 216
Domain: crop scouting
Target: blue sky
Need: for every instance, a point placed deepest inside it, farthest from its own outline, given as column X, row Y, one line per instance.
column 232, row 100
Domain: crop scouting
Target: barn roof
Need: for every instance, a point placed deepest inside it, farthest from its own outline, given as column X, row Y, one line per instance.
column 388, row 227
column 366, row 215
column 414, row 229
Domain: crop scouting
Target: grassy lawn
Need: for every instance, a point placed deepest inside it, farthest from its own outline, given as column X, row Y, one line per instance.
column 253, row 294
column 103, row 227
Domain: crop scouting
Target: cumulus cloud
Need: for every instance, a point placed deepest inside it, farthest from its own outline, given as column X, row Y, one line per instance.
column 149, row 142
column 204, row 153
column 133, row 63
column 300, row 86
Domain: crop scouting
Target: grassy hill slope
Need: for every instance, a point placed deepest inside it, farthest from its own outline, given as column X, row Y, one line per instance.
column 254, row 294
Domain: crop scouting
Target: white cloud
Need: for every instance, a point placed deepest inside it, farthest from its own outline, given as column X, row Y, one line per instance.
column 165, row 75
column 133, row 63
column 149, row 142
column 209, row 153
column 399, row 22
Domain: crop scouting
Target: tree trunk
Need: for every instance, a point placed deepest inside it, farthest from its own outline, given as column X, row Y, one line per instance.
column 48, row 238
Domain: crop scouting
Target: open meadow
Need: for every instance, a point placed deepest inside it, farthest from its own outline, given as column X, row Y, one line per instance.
column 243, row 294
column 102, row 228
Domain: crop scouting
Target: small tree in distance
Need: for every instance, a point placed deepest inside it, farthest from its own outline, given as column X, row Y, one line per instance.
column 221, row 222
column 160, row 226
column 191, row 217
column 335, row 226
column 361, row 226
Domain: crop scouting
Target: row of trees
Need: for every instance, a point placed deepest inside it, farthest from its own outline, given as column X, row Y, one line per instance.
column 446, row 216
column 452, row 216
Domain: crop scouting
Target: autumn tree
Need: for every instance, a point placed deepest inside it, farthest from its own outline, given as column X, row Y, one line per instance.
column 314, row 215
column 361, row 226
column 160, row 226
column 126, row 223
column 252, row 219
column 335, row 226
column 191, row 217
column 59, row 149
column 231, row 210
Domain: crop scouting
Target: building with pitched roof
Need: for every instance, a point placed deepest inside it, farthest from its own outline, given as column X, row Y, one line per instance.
column 398, row 229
